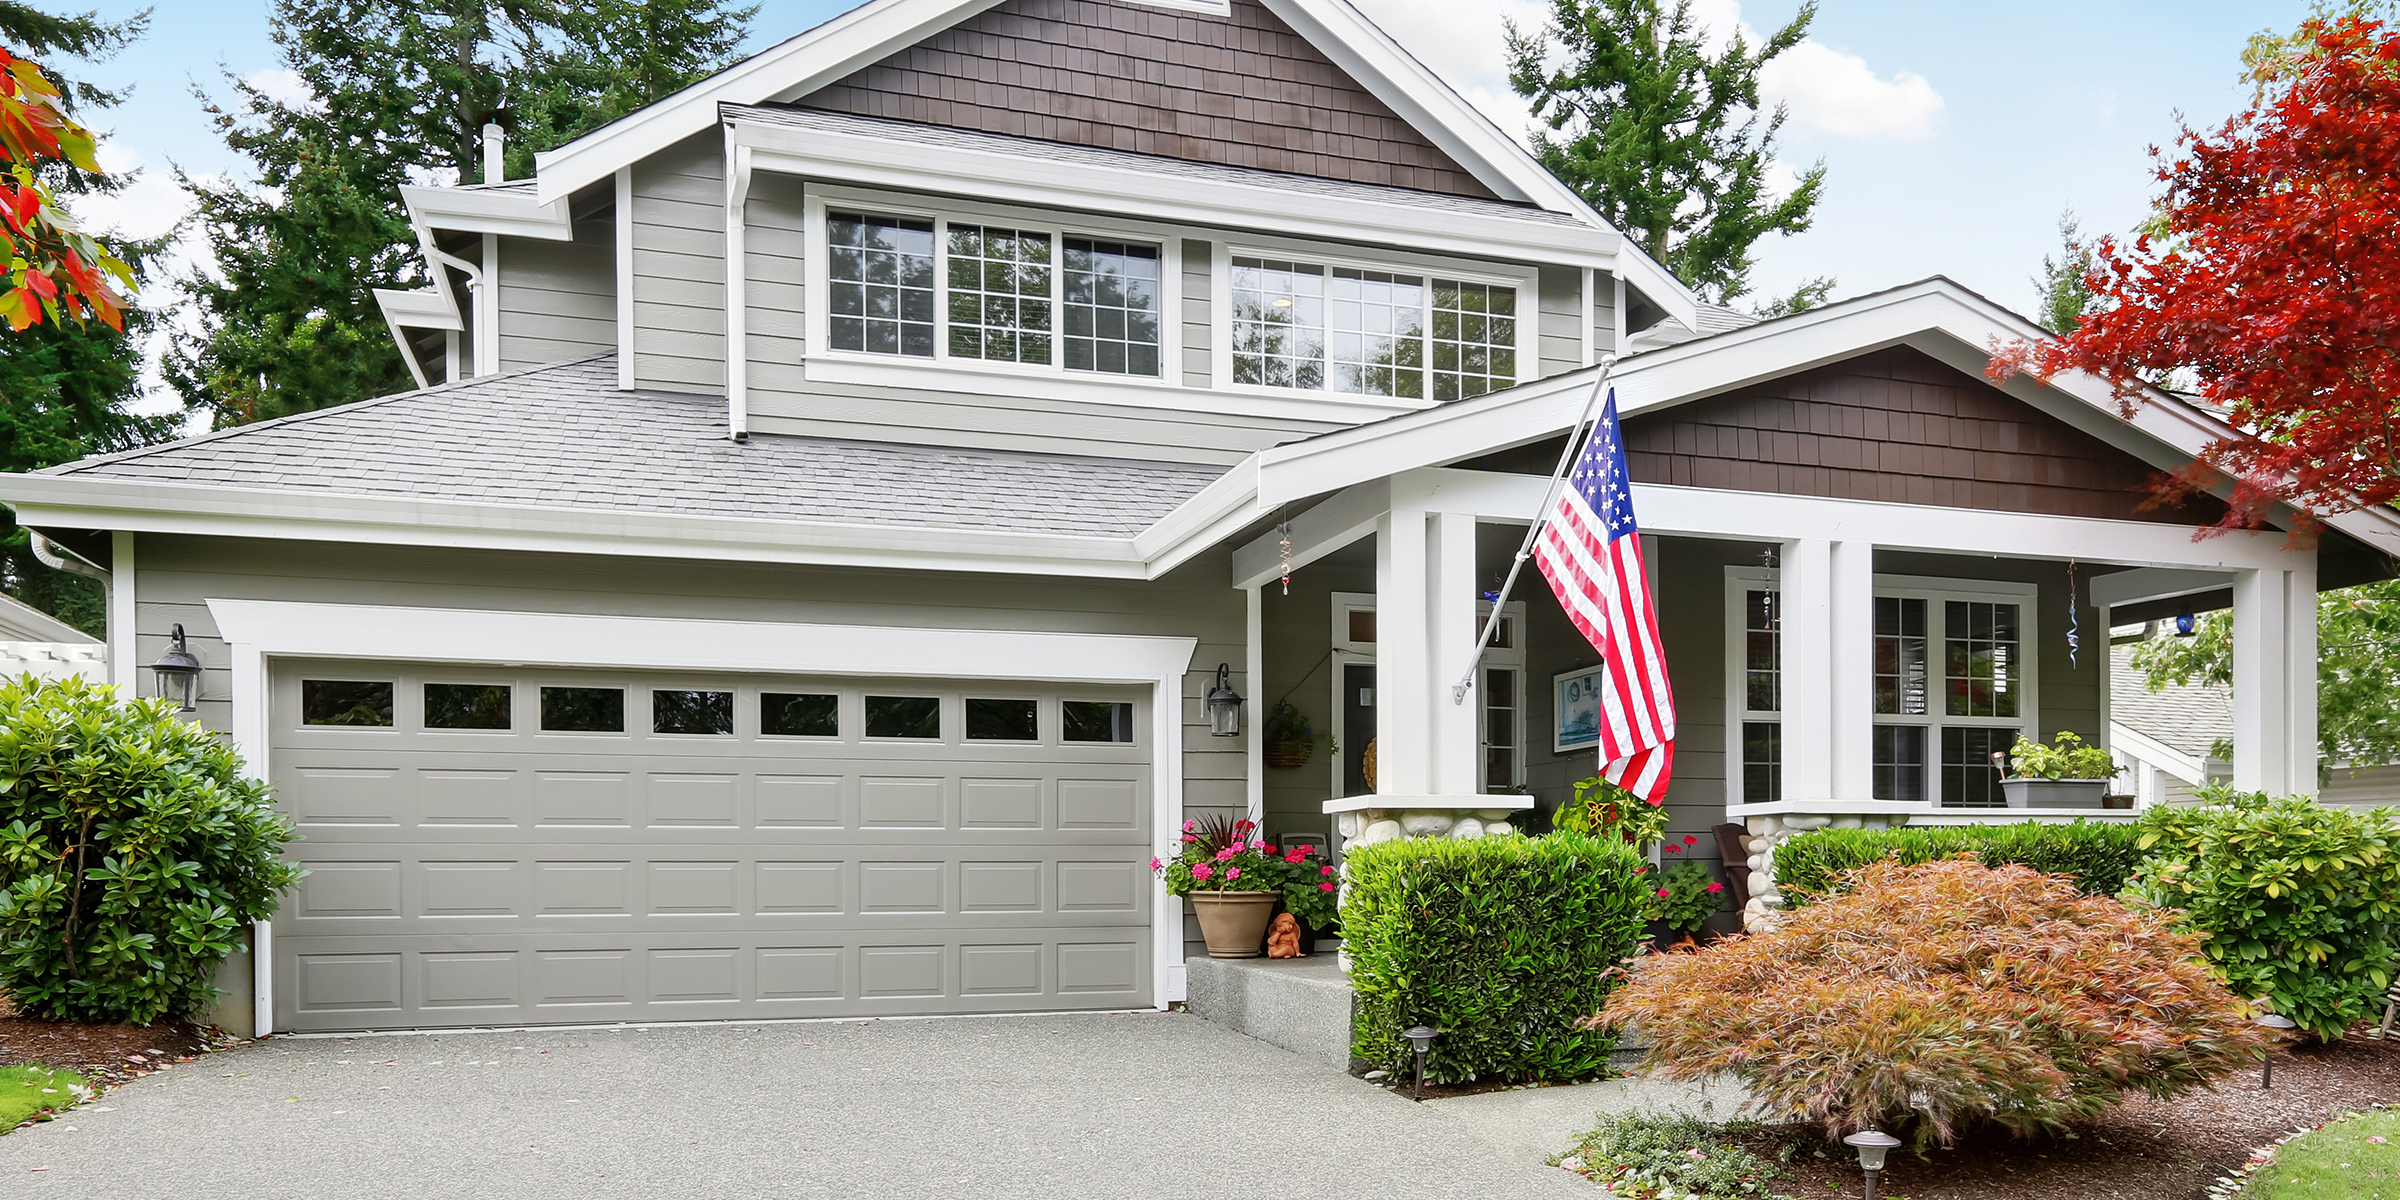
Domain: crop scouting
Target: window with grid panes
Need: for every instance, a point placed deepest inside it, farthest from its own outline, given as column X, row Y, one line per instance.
column 1374, row 333
column 1762, row 695
column 999, row 294
column 1110, row 301
column 1901, row 687
column 880, row 284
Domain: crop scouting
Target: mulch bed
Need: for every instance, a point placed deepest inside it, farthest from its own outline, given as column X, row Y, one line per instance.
column 2140, row 1150
column 106, row 1054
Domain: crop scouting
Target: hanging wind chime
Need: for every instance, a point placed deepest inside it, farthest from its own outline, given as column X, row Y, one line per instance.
column 1285, row 548
column 2074, row 625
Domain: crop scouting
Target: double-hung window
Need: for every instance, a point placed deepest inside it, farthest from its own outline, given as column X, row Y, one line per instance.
column 1352, row 330
column 936, row 288
column 1952, row 685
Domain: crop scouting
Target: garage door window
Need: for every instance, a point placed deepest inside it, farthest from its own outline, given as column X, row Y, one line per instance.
column 466, row 706
column 706, row 713
column 345, row 702
column 1001, row 721
column 1097, row 720
column 802, row 714
column 583, row 710
column 904, row 717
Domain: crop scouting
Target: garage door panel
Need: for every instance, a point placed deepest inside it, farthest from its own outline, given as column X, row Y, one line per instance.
column 490, row 877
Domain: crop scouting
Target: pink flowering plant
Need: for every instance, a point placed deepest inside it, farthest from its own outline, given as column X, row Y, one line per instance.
column 1223, row 854
column 1602, row 808
column 1685, row 895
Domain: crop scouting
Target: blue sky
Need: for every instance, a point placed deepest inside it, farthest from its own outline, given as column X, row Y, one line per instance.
column 1954, row 132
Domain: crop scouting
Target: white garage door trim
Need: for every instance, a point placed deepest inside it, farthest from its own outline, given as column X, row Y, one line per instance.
column 261, row 630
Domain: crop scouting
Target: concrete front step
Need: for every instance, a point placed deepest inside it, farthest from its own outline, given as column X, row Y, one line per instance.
column 1300, row 1004
column 1304, row 1005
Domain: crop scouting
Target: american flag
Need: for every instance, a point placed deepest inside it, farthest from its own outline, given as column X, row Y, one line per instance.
column 1591, row 551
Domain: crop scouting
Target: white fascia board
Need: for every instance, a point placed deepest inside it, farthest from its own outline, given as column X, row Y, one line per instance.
column 1202, row 521
column 380, row 632
column 70, row 503
column 1042, row 182
column 1659, row 285
column 512, row 212
column 794, row 67
column 2140, row 586
column 421, row 308
column 2157, row 753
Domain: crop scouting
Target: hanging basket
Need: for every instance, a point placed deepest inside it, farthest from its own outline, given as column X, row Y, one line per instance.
column 1285, row 756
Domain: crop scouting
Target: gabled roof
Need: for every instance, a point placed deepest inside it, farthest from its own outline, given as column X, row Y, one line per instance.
column 564, row 440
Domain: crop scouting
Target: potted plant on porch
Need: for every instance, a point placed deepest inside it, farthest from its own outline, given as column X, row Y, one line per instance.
column 1687, row 895
column 1230, row 880
column 2065, row 774
column 1288, row 739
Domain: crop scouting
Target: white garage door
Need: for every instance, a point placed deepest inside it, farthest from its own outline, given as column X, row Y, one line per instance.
column 505, row 847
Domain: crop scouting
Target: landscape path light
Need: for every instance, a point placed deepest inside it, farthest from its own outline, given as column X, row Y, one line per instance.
column 2266, row 1062
column 1872, row 1145
column 1421, row 1037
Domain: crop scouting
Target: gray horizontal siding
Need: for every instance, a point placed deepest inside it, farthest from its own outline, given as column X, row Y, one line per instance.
column 558, row 300
column 679, row 267
column 1199, row 367
column 1559, row 323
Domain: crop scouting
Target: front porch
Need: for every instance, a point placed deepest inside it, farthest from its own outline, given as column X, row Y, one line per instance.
column 1835, row 662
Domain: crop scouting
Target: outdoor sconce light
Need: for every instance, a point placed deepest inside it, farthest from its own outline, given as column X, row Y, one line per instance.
column 1224, row 705
column 2266, row 1062
column 1872, row 1145
column 2185, row 624
column 178, row 672
column 1421, row 1037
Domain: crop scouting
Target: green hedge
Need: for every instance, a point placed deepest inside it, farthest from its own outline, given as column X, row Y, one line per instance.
column 2101, row 857
column 1504, row 944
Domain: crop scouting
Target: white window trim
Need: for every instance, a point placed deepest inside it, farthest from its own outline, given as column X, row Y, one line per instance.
column 1933, row 590
column 259, row 632
column 827, row 364
column 1526, row 281
column 1509, row 658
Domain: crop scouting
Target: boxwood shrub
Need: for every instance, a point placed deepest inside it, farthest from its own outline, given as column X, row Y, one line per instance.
column 2101, row 857
column 1504, row 944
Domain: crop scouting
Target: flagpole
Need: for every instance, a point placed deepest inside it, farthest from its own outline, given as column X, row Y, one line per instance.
column 1541, row 518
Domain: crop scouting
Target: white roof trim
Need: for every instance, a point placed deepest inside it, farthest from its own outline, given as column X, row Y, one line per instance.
column 795, row 66
column 510, row 210
column 422, row 308
column 21, row 622
column 1936, row 316
column 2137, row 744
column 1036, row 180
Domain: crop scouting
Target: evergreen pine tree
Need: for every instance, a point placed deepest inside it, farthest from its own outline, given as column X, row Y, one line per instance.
column 1667, row 141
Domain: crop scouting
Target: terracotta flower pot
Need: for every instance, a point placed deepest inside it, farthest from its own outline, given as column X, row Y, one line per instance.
column 1234, row 923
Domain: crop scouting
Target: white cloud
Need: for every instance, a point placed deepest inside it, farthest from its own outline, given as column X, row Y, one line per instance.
column 281, row 85
column 1840, row 94
column 1465, row 43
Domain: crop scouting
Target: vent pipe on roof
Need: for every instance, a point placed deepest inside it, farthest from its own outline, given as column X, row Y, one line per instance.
column 495, row 169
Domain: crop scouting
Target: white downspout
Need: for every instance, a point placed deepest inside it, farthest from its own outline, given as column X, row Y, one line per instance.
column 59, row 558
column 737, row 298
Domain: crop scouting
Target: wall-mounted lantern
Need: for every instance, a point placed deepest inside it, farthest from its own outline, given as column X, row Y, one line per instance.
column 1224, row 705
column 178, row 672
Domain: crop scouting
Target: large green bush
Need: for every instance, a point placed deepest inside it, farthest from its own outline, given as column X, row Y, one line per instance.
column 2101, row 857
column 2296, row 899
column 132, row 854
column 1503, row 944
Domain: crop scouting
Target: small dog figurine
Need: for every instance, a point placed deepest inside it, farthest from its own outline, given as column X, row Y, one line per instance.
column 1283, row 937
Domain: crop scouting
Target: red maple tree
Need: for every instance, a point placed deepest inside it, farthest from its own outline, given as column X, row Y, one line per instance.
column 53, row 269
column 2271, row 275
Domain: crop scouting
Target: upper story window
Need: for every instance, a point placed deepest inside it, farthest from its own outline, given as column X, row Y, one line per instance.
column 1373, row 333
column 933, row 288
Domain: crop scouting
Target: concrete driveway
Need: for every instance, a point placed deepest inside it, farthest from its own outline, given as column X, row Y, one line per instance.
column 1059, row 1108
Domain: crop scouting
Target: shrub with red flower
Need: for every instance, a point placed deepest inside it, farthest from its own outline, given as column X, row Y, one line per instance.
column 1689, row 897
column 1925, row 998
column 1226, row 854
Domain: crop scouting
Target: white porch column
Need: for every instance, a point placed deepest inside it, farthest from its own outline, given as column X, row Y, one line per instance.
column 1450, row 615
column 1852, row 671
column 2275, row 680
column 1403, row 698
column 1808, row 707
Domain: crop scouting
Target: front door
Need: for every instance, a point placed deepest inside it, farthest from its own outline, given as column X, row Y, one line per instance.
column 1358, row 726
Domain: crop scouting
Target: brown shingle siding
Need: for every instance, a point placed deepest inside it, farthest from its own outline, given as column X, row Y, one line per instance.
column 1899, row 426
column 1243, row 90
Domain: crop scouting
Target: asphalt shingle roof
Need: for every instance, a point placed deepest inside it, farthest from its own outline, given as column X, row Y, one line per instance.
column 564, row 437
column 2186, row 718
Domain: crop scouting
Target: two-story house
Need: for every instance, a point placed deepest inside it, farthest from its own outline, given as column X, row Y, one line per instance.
column 799, row 586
